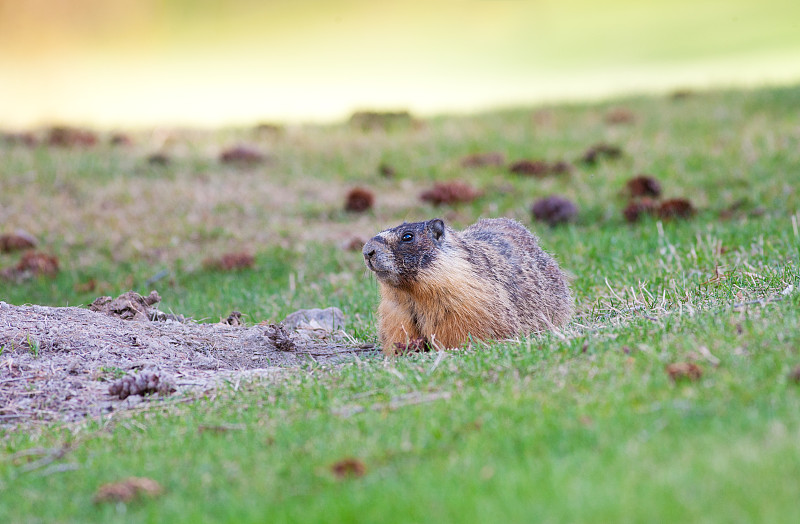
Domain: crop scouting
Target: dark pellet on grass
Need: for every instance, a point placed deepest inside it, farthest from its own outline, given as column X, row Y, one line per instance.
column 675, row 208
column 452, row 192
column 490, row 159
column 554, row 210
column 242, row 154
column 359, row 200
column 600, row 151
column 637, row 209
column 643, row 186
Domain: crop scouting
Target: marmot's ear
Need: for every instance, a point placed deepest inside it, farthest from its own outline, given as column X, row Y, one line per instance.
column 437, row 228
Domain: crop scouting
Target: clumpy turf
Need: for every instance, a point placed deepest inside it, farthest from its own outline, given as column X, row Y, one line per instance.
column 585, row 425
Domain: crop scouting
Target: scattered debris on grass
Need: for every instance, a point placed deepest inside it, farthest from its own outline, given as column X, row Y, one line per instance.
column 600, row 151
column 17, row 241
column 231, row 261
column 373, row 120
column 359, row 200
column 675, row 208
column 637, row 209
column 490, row 159
column 554, row 210
column 59, row 381
column 242, row 154
column 32, row 264
column 684, row 371
column 127, row 490
column 452, row 192
column 144, row 383
column 619, row 115
column 348, row 467
column 643, row 186
column 234, row 319
column 63, row 136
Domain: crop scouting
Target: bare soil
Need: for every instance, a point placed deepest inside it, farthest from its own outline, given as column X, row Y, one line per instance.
column 57, row 363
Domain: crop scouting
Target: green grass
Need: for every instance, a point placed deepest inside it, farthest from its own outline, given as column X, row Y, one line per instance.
column 584, row 427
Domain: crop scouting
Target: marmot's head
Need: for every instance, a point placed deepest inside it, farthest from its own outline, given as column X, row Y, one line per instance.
column 397, row 255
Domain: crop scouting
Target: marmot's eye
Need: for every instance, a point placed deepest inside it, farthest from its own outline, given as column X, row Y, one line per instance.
column 407, row 237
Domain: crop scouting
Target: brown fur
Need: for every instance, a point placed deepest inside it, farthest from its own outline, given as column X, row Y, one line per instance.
column 489, row 281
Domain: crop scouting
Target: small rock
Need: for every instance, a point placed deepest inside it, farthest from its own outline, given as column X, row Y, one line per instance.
column 330, row 319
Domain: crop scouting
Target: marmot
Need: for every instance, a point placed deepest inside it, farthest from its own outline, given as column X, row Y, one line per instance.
column 489, row 281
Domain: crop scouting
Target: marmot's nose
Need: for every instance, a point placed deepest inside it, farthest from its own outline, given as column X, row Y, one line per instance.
column 369, row 254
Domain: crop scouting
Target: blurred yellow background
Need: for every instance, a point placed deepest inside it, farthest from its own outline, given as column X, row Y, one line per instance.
column 211, row 63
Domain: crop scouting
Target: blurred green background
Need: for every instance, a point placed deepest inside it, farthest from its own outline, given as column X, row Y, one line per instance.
column 211, row 62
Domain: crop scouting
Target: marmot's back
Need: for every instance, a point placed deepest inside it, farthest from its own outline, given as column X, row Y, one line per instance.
column 531, row 277
column 491, row 280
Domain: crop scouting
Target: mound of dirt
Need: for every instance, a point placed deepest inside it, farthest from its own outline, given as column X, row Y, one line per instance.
column 57, row 363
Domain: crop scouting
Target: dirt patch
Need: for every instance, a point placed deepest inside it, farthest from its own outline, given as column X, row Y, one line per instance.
column 58, row 363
